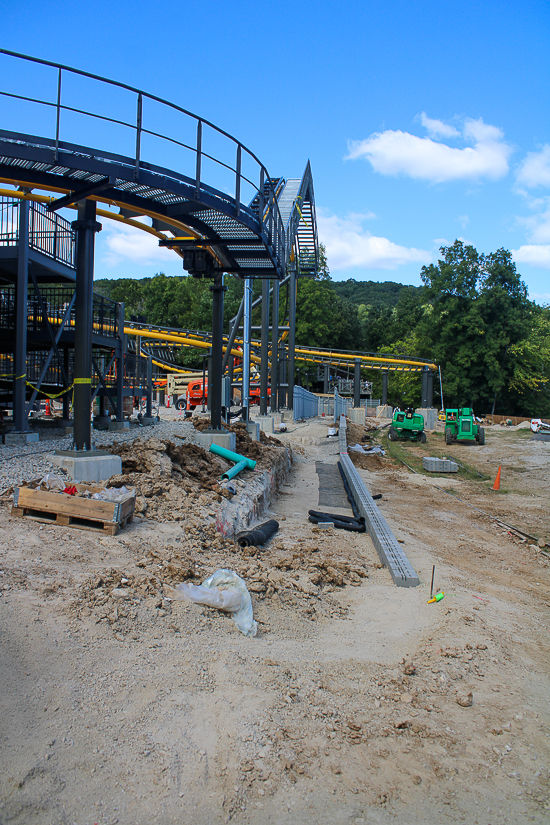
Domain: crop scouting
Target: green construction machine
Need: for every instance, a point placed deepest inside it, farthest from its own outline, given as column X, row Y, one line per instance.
column 407, row 426
column 460, row 425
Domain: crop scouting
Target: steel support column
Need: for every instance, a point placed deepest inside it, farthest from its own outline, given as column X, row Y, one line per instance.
column 21, row 299
column 264, row 365
column 120, row 366
column 291, row 335
column 430, row 390
column 215, row 385
column 425, row 372
column 357, row 383
column 67, row 395
column 149, row 392
column 86, row 226
column 326, row 379
column 275, row 348
column 247, row 321
column 385, row 374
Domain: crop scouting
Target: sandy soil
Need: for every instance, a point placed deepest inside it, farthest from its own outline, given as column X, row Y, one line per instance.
column 357, row 702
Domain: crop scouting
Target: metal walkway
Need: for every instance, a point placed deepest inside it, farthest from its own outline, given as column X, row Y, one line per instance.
column 222, row 214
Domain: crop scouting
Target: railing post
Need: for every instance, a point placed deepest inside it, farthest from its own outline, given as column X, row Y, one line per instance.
column 238, row 180
column 138, row 134
column 261, row 202
column 199, row 157
column 58, row 114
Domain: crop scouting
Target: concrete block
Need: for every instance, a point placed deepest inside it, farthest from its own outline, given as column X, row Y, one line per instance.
column 385, row 411
column 93, row 465
column 278, row 418
column 14, row 439
column 265, row 423
column 222, row 439
column 101, row 422
column 254, row 429
column 119, row 425
column 69, row 430
column 439, row 465
column 429, row 414
column 147, row 422
column 357, row 415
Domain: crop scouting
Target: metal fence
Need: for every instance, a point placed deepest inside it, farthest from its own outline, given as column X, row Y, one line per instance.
column 341, row 405
column 306, row 404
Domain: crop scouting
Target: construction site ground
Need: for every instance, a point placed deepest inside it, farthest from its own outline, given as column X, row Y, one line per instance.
column 356, row 702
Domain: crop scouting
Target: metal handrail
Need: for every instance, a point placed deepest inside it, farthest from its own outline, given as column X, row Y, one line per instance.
column 49, row 233
column 271, row 225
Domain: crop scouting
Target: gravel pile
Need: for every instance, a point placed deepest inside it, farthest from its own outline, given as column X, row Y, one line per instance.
column 25, row 462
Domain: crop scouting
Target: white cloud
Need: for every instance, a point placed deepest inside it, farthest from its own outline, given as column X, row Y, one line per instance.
column 535, row 169
column 126, row 243
column 540, row 297
column 534, row 254
column 437, row 127
column 349, row 245
column 394, row 152
column 538, row 225
column 463, row 220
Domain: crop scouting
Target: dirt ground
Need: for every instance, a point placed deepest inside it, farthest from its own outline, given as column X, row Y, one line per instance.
column 357, row 702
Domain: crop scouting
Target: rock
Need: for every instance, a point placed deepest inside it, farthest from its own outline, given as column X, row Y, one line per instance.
column 121, row 593
column 465, row 700
column 409, row 669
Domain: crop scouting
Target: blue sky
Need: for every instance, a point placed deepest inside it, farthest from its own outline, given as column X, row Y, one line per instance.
column 424, row 122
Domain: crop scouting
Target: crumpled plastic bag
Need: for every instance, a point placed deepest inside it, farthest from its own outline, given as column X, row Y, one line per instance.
column 52, row 483
column 111, row 494
column 358, row 448
column 225, row 591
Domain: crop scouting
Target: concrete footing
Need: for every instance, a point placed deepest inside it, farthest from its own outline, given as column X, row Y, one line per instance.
column 14, row 439
column 429, row 414
column 357, row 415
column 147, row 422
column 265, row 423
column 220, row 437
column 92, row 465
column 254, row 430
column 101, row 422
column 385, row 411
column 119, row 425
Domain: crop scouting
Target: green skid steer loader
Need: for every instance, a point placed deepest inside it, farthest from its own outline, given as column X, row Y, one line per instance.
column 460, row 426
column 407, row 426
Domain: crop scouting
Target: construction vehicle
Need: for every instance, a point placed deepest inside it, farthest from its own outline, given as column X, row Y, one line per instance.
column 460, row 425
column 407, row 426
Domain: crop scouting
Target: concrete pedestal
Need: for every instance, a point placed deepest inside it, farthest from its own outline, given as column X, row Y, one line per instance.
column 220, row 437
column 357, row 415
column 92, row 465
column 254, row 429
column 265, row 423
column 14, row 439
column 101, row 422
column 429, row 414
column 119, row 425
column 147, row 422
column 384, row 411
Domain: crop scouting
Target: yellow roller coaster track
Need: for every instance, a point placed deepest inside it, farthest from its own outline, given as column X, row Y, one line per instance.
column 307, row 354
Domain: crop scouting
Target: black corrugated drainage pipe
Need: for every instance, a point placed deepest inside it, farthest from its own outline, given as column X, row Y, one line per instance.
column 259, row 535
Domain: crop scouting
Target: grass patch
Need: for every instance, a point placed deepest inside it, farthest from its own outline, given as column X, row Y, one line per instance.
column 412, row 453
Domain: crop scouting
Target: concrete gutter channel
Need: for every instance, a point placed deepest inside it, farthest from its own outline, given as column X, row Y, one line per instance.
column 386, row 544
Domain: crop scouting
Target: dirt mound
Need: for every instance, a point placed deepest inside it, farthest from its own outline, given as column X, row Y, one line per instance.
column 245, row 445
column 172, row 480
column 364, row 461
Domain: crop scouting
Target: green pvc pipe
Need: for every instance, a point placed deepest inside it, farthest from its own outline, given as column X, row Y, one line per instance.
column 215, row 448
column 235, row 470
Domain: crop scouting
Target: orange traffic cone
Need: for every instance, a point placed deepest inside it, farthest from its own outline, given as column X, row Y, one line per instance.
column 496, row 485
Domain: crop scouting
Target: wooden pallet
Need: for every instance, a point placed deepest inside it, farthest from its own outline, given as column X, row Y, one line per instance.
column 73, row 511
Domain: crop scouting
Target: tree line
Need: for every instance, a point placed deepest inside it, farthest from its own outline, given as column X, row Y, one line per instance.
column 471, row 316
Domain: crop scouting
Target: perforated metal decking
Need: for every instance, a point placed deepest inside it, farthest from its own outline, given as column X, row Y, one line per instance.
column 386, row 544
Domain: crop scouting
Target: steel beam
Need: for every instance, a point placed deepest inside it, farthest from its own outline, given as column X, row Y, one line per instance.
column 215, row 385
column 384, row 399
column 292, row 335
column 357, row 383
column 275, row 348
column 245, row 400
column 264, row 354
column 86, row 226
column 81, row 194
column 21, row 298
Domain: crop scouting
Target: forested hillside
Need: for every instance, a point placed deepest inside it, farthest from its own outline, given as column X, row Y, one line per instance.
column 472, row 316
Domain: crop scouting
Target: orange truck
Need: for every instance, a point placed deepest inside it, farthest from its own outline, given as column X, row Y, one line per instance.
column 195, row 394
